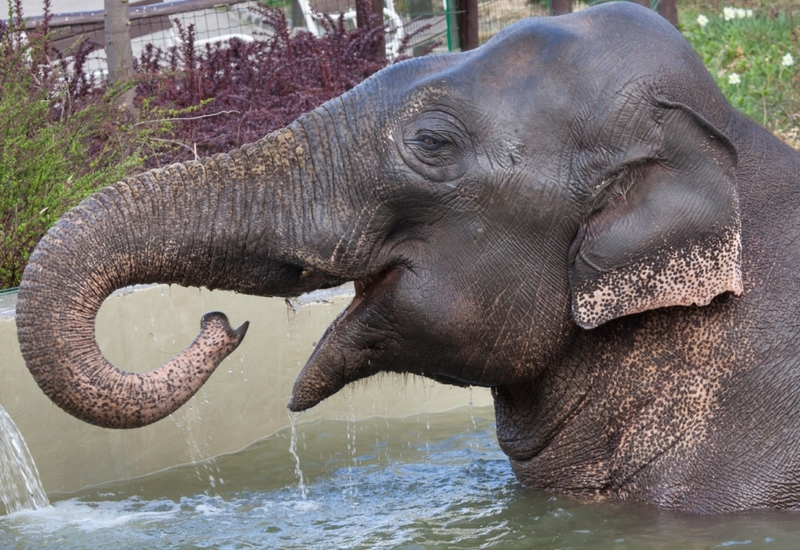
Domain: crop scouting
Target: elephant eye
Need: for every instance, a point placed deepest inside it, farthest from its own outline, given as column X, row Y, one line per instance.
column 436, row 145
column 429, row 141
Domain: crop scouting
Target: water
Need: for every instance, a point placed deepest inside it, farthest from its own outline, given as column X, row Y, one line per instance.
column 427, row 481
column 20, row 488
column 298, row 471
column 8, row 302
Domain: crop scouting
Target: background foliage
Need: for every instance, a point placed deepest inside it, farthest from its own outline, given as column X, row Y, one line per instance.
column 239, row 92
column 56, row 141
column 755, row 58
column 63, row 136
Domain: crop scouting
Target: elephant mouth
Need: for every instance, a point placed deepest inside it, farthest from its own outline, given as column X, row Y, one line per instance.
column 364, row 286
column 351, row 346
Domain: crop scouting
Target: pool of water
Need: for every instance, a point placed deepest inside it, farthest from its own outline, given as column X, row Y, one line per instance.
column 425, row 481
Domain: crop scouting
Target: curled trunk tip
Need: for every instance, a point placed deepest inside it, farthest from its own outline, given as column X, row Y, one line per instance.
column 69, row 275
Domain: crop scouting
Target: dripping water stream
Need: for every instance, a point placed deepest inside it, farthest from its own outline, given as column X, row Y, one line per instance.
column 20, row 487
column 293, row 450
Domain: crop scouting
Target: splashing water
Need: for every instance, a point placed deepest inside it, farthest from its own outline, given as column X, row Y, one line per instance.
column 20, row 488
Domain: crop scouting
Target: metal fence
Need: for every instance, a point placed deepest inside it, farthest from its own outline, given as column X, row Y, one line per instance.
column 155, row 23
column 494, row 15
column 425, row 24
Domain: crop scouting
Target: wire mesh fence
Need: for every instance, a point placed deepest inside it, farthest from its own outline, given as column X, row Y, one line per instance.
column 415, row 25
column 420, row 26
column 494, row 15
column 157, row 24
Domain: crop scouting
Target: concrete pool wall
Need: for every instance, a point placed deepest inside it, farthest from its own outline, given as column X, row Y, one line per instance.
column 244, row 401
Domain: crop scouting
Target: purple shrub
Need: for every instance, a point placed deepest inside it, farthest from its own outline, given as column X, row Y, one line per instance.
column 237, row 92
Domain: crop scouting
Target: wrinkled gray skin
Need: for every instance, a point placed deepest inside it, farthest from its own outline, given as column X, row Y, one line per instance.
column 571, row 214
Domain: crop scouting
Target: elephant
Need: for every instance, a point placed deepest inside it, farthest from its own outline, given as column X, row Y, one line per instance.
column 571, row 215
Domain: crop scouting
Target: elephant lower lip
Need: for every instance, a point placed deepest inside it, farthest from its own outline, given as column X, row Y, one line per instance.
column 342, row 355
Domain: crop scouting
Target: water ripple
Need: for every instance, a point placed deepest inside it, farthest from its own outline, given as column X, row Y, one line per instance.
column 408, row 486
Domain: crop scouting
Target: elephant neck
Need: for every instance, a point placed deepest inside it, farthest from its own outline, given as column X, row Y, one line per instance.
column 654, row 406
column 628, row 415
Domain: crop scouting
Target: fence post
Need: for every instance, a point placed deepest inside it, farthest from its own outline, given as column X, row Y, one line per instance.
column 467, row 24
column 560, row 7
column 119, row 55
column 298, row 20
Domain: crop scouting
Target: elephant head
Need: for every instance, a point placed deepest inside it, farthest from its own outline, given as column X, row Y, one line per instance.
column 490, row 207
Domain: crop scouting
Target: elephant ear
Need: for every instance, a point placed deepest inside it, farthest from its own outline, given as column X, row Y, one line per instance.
column 665, row 230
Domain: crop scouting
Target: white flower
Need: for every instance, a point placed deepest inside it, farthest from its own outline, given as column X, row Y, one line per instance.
column 702, row 20
column 733, row 78
column 728, row 13
column 787, row 60
column 735, row 13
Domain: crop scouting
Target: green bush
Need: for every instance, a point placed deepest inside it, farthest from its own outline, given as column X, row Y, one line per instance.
column 754, row 57
column 45, row 168
column 53, row 151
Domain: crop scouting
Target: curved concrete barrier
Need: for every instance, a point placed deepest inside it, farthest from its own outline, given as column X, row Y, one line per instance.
column 244, row 401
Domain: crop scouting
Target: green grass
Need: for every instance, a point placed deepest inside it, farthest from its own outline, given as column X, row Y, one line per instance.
column 755, row 60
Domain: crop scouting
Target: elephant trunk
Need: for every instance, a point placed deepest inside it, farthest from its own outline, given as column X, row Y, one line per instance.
column 231, row 222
